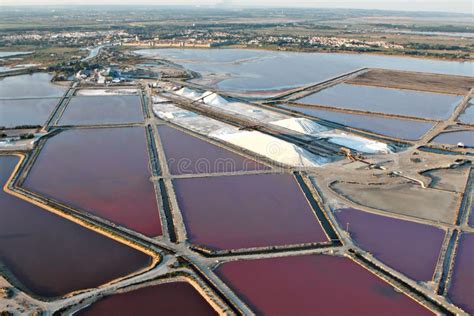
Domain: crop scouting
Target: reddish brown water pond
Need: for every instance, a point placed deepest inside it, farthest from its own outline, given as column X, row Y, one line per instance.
column 462, row 284
column 186, row 154
column 52, row 256
column 178, row 298
column 411, row 248
column 102, row 171
column 95, row 110
column 234, row 212
column 314, row 285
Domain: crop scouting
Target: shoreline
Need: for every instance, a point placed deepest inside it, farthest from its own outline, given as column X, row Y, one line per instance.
column 244, row 47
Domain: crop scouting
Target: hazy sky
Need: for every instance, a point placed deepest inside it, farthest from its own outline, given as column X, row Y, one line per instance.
column 463, row 6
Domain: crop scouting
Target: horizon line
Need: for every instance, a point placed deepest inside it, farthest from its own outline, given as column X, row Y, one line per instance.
column 221, row 6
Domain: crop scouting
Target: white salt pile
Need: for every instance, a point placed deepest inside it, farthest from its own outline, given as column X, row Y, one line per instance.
column 357, row 143
column 190, row 120
column 158, row 99
column 214, row 99
column 189, row 93
column 281, row 151
column 270, row 147
column 101, row 92
column 254, row 141
column 308, row 127
column 169, row 112
column 301, row 125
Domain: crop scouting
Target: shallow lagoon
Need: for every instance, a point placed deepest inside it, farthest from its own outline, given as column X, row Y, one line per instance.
column 382, row 100
column 10, row 54
column 408, row 247
column 471, row 217
column 26, row 112
column 462, row 284
column 246, row 211
column 264, row 70
column 29, row 86
column 52, row 256
column 453, row 138
column 177, row 298
column 393, row 127
column 102, row 171
column 314, row 285
column 97, row 110
column 467, row 117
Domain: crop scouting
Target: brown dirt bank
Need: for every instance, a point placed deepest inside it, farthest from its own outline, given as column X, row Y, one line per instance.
column 415, row 81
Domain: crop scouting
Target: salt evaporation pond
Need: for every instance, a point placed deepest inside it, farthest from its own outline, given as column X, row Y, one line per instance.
column 392, row 127
column 186, row 154
column 29, row 86
column 314, row 285
column 453, row 138
column 102, row 171
column 471, row 216
column 467, row 117
column 26, row 111
column 408, row 247
column 51, row 256
column 233, row 212
column 4, row 69
column 177, row 298
column 462, row 283
column 264, row 70
column 10, row 54
column 383, row 100
column 96, row 110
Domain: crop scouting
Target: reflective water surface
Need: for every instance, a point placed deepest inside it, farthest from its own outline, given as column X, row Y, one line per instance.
column 382, row 100
column 102, row 171
column 9, row 54
column 262, row 70
column 178, row 298
column 462, row 283
column 26, row 112
column 467, row 117
column 28, row 86
column 452, row 138
column 95, row 110
column 52, row 256
column 232, row 212
column 471, row 217
column 314, row 285
column 408, row 247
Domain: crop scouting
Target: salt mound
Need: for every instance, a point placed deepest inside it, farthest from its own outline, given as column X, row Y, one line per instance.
column 270, row 147
column 301, row 125
column 173, row 113
column 189, row 93
column 101, row 92
column 214, row 99
column 308, row 127
column 159, row 99
column 224, row 132
column 357, row 143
